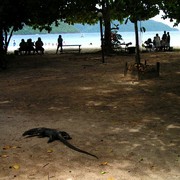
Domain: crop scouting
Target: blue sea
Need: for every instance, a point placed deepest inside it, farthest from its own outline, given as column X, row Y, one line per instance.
column 89, row 40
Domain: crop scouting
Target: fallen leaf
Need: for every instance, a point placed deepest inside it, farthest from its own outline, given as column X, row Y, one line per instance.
column 110, row 150
column 4, row 155
column 104, row 163
column 7, row 147
column 111, row 178
column 15, row 166
column 103, row 172
column 49, row 151
column 15, row 147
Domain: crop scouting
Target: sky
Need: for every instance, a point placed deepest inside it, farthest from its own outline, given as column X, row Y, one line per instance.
column 166, row 21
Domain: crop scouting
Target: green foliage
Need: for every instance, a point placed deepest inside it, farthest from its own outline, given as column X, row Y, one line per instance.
column 137, row 10
column 81, row 11
column 171, row 10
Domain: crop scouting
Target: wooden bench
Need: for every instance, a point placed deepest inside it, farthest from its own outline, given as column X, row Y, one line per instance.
column 23, row 52
column 74, row 47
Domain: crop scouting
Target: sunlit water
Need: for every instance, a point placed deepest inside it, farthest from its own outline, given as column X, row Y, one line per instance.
column 89, row 40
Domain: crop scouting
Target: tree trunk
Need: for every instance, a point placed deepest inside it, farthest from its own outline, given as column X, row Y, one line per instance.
column 1, row 41
column 138, row 59
column 107, row 24
column 7, row 40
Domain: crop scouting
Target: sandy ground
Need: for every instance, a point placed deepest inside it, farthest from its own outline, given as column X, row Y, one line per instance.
column 132, row 126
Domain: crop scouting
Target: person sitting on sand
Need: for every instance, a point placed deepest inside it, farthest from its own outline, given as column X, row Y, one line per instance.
column 30, row 46
column 39, row 46
column 149, row 44
column 22, row 46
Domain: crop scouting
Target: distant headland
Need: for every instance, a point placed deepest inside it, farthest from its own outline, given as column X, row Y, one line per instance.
column 149, row 25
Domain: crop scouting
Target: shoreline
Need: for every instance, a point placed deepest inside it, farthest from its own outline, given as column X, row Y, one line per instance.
column 84, row 49
column 52, row 49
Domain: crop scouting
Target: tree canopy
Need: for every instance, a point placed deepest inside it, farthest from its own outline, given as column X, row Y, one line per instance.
column 11, row 18
column 171, row 10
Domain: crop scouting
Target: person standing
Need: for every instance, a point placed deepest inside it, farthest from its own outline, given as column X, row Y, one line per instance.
column 14, row 43
column 164, row 40
column 157, row 42
column 60, row 44
column 168, row 39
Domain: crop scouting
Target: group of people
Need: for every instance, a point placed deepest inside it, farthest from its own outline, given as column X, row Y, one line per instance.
column 29, row 46
column 159, row 44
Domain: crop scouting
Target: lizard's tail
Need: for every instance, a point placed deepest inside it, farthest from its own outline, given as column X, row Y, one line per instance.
column 75, row 148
